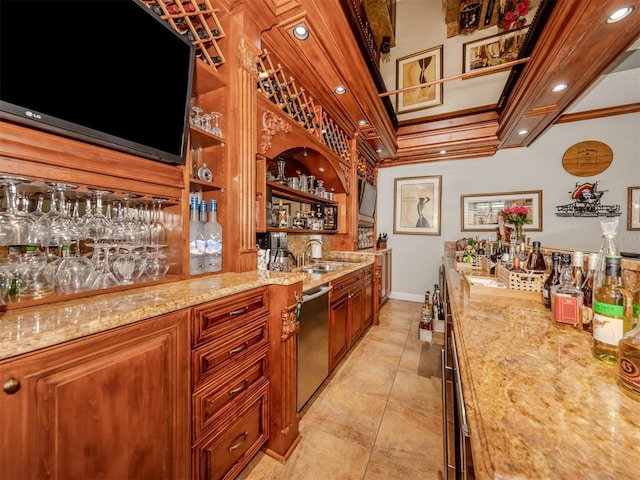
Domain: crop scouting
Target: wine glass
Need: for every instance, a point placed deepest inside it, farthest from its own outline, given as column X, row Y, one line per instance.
column 15, row 224
column 158, row 231
column 196, row 120
column 156, row 263
column 98, row 227
column 216, row 128
column 206, row 122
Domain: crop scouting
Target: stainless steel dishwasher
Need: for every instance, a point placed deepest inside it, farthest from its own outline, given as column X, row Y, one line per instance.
column 313, row 343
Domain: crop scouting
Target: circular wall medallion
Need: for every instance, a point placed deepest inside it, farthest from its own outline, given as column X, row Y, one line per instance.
column 585, row 159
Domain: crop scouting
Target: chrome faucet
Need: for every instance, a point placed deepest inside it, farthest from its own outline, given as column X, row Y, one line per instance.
column 309, row 243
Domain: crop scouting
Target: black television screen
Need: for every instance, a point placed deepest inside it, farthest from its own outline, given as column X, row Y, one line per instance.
column 109, row 72
column 368, row 197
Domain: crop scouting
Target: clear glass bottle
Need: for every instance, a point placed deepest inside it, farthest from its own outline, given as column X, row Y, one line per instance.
column 577, row 268
column 608, row 247
column 566, row 297
column 515, row 267
column 213, row 240
column 629, row 362
column 587, row 292
column 282, row 216
column 196, row 240
column 535, row 260
column 552, row 279
column 612, row 313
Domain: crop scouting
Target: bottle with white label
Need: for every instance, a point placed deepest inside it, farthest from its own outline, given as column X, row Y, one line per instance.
column 612, row 313
column 196, row 240
column 213, row 240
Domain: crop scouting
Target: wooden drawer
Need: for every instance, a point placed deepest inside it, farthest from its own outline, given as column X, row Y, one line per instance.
column 214, row 319
column 212, row 402
column 345, row 284
column 226, row 451
column 220, row 355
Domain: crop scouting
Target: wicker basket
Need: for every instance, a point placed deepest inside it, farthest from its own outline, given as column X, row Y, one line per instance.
column 528, row 282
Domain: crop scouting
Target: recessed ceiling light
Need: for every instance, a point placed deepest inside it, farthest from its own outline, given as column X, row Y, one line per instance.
column 379, row 150
column 340, row 90
column 443, row 151
column 362, row 122
column 321, row 169
column 619, row 14
column 301, row 32
column 559, row 87
column 523, row 132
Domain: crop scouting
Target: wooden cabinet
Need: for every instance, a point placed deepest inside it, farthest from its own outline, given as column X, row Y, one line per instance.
column 230, row 386
column 385, row 275
column 111, row 405
column 346, row 315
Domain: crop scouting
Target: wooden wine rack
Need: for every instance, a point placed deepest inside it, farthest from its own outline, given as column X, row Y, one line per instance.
column 294, row 102
column 196, row 19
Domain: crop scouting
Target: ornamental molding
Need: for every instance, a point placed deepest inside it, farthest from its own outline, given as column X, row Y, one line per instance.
column 271, row 125
column 290, row 325
column 248, row 58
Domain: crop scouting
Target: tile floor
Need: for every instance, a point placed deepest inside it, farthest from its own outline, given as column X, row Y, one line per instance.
column 378, row 416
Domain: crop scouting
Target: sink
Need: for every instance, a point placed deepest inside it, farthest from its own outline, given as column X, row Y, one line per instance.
column 321, row 268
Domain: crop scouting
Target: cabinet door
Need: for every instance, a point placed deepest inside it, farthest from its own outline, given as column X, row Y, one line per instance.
column 338, row 333
column 115, row 405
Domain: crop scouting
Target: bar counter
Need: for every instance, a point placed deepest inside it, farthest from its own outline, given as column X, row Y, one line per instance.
column 539, row 404
column 28, row 329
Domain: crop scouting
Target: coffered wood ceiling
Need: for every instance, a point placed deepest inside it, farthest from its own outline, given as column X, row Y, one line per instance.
column 575, row 46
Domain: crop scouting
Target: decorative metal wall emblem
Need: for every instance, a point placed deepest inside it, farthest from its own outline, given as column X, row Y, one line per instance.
column 586, row 203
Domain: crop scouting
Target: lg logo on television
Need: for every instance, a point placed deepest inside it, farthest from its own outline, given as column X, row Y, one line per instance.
column 34, row 115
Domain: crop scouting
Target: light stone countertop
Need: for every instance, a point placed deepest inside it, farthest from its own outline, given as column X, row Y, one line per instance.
column 32, row 328
column 539, row 405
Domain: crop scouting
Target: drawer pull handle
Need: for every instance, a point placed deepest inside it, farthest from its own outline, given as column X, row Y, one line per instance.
column 233, row 391
column 242, row 347
column 237, row 445
column 239, row 311
column 11, row 386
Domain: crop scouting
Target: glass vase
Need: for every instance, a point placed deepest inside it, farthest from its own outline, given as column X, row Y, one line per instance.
column 520, row 238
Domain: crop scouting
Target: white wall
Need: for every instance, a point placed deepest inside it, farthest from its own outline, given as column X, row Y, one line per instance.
column 539, row 167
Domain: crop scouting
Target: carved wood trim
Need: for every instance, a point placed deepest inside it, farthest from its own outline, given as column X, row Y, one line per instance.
column 599, row 113
column 248, row 57
column 271, row 125
column 290, row 325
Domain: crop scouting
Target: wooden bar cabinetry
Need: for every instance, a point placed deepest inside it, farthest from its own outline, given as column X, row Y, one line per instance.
column 230, row 386
column 111, row 405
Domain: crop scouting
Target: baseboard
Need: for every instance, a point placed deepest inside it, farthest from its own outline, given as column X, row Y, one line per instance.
column 407, row 296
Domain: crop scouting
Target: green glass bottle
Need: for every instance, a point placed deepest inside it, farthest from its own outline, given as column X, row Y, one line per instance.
column 612, row 308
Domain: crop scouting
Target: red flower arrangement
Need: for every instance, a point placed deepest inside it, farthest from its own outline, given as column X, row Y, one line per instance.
column 514, row 16
column 518, row 215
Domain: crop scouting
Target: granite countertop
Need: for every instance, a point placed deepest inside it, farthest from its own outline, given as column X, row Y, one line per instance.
column 539, row 405
column 28, row 329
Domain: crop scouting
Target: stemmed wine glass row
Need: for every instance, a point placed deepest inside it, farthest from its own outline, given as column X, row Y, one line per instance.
column 83, row 241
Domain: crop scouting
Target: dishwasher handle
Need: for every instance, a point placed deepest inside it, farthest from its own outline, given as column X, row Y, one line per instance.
column 321, row 291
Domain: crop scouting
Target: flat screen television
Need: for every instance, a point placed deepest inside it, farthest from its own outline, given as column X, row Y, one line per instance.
column 108, row 72
column 367, row 203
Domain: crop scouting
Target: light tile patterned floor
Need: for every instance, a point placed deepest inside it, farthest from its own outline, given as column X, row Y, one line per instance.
column 378, row 417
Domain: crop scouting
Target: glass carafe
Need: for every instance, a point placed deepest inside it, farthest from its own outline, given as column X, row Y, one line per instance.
column 282, row 179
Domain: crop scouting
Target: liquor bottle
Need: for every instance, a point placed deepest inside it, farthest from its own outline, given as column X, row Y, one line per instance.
column 516, row 265
column 535, row 261
column 587, row 292
column 612, row 313
column 629, row 361
column 196, row 240
column 213, row 240
column 282, row 216
column 552, row 279
column 577, row 269
column 566, row 297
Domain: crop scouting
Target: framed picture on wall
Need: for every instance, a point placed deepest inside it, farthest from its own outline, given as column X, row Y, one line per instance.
column 479, row 211
column 633, row 209
column 417, row 205
column 492, row 51
column 416, row 69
